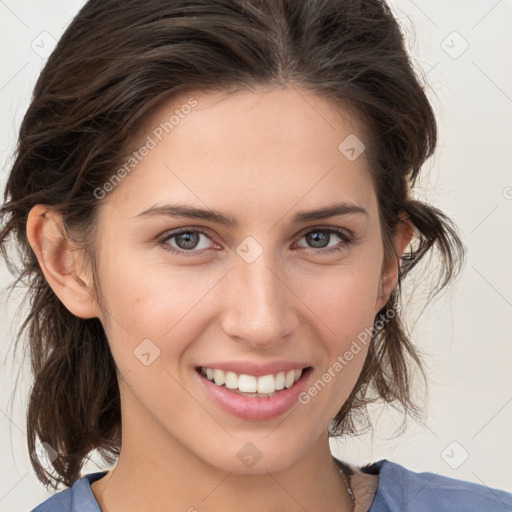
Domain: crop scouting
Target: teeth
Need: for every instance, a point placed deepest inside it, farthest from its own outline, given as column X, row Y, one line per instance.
column 279, row 381
column 290, row 379
column 266, row 384
column 246, row 383
column 219, row 377
column 231, row 380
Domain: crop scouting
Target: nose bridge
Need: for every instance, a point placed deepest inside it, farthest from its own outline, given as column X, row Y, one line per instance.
column 260, row 306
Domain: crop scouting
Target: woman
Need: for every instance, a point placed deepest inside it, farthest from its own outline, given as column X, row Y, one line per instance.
column 213, row 201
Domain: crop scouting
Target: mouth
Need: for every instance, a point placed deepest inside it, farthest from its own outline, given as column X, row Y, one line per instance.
column 253, row 386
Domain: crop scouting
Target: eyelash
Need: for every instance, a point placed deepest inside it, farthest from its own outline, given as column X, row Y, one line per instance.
column 343, row 236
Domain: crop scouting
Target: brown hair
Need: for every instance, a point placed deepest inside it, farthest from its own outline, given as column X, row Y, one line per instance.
column 115, row 63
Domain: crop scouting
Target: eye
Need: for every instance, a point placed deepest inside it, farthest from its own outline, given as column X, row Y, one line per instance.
column 188, row 241
column 320, row 238
column 185, row 240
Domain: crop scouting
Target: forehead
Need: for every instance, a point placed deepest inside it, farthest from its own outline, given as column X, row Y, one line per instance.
column 274, row 114
column 251, row 150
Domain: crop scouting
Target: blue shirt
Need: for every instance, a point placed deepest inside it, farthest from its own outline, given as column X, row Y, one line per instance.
column 399, row 490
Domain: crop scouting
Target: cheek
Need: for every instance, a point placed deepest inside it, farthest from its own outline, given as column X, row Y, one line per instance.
column 343, row 299
column 152, row 297
column 165, row 306
column 345, row 307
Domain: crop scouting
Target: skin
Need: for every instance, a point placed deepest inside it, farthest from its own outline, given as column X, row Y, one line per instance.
column 260, row 157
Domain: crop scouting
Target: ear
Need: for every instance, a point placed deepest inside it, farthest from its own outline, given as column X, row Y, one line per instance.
column 60, row 260
column 404, row 232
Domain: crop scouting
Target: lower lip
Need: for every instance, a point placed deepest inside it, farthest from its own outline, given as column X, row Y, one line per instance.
column 257, row 408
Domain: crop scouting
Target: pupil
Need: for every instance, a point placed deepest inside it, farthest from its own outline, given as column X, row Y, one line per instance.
column 191, row 240
column 315, row 238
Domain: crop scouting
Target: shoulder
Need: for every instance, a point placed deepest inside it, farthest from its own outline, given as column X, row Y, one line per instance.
column 402, row 489
column 77, row 498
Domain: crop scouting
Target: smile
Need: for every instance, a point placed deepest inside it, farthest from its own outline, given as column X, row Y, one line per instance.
column 265, row 385
column 225, row 389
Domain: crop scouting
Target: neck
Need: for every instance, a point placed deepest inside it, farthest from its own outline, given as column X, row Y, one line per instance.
column 139, row 482
column 159, row 472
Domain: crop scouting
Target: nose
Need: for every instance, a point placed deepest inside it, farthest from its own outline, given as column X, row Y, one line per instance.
column 259, row 306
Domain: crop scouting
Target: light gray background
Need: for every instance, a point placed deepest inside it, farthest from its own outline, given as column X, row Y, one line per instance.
column 466, row 333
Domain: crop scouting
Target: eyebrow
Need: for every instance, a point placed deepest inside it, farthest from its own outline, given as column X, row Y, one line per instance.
column 183, row 210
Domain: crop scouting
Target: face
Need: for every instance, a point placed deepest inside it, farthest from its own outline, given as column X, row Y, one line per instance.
column 184, row 292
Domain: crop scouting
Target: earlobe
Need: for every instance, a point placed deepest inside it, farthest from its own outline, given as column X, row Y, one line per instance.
column 60, row 261
column 404, row 233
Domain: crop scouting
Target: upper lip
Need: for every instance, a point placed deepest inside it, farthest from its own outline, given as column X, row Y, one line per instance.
column 256, row 369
